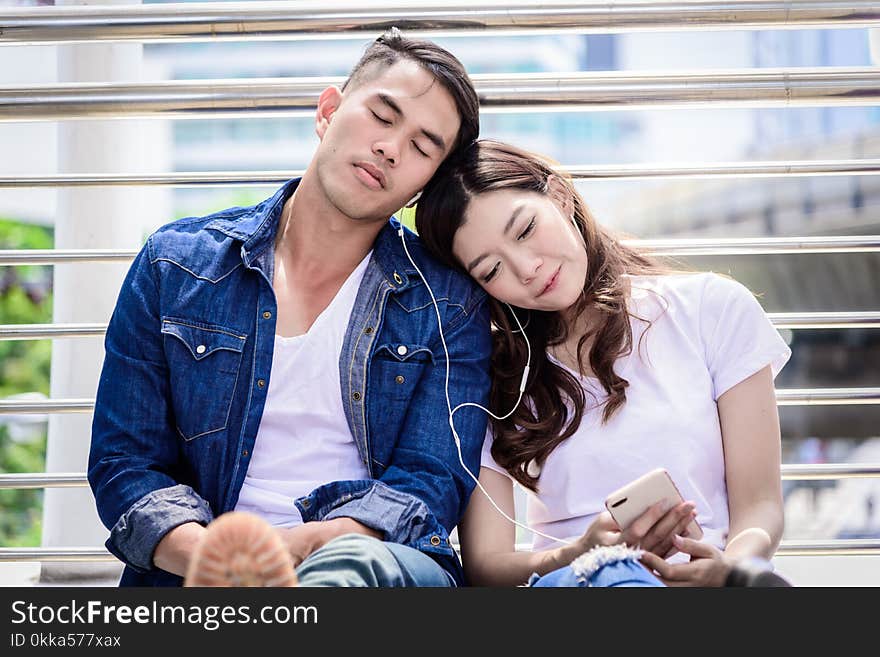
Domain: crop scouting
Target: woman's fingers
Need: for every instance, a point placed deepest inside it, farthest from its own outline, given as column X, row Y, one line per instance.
column 694, row 548
column 653, row 530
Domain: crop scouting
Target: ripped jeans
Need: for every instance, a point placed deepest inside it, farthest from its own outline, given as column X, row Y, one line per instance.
column 615, row 565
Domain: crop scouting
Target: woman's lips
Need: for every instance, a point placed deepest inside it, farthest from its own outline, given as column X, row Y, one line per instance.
column 551, row 284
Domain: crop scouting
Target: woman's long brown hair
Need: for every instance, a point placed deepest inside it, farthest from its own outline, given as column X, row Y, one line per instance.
column 554, row 400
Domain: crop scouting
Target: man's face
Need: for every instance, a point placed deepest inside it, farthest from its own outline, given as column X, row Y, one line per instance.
column 383, row 139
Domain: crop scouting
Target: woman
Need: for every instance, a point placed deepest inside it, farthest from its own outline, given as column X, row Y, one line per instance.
column 633, row 367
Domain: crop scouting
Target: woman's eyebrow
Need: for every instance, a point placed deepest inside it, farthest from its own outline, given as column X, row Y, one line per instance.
column 507, row 228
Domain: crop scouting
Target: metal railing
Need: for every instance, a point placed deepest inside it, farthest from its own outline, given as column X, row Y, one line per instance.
column 790, row 168
column 526, row 92
column 498, row 93
column 833, row 547
column 784, row 397
column 662, row 247
column 790, row 472
column 817, row 320
column 292, row 20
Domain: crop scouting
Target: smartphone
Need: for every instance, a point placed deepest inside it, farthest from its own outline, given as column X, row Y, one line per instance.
column 629, row 502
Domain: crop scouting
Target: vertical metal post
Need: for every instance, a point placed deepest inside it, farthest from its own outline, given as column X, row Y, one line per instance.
column 87, row 218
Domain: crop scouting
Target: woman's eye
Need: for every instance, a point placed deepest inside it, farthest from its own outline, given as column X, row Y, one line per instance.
column 380, row 119
column 421, row 152
column 527, row 231
column 488, row 277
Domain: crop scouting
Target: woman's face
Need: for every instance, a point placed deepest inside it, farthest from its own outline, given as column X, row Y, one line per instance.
column 522, row 249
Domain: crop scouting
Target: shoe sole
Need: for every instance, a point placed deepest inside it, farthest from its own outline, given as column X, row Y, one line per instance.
column 241, row 549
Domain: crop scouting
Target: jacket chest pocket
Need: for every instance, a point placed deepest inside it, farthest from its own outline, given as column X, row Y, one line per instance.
column 204, row 362
column 397, row 368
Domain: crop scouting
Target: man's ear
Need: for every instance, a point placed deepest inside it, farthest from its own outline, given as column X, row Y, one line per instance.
column 561, row 195
column 328, row 103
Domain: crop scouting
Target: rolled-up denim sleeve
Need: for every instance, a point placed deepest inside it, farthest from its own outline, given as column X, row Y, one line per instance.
column 134, row 537
column 401, row 517
column 134, row 450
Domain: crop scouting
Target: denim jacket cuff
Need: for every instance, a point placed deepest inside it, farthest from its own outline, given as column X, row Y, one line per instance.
column 137, row 533
column 403, row 518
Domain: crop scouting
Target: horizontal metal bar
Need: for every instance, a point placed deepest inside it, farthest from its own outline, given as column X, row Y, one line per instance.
column 50, row 331
column 792, row 168
column 794, row 471
column 831, row 320
column 290, row 20
column 43, row 480
column 55, row 554
column 812, row 471
column 29, row 407
column 785, row 397
column 63, row 256
column 666, row 247
column 512, row 92
column 758, row 245
column 825, row 320
column 827, row 396
column 830, row 548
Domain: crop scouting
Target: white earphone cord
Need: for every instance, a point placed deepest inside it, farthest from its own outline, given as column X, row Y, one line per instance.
column 522, row 387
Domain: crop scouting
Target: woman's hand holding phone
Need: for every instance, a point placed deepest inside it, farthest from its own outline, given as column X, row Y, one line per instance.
column 652, row 531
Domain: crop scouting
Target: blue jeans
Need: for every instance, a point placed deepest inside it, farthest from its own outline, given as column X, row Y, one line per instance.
column 355, row 560
column 600, row 567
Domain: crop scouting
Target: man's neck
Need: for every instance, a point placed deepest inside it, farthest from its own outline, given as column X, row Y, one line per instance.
column 317, row 242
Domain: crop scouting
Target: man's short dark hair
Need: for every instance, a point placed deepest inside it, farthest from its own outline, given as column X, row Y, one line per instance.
column 393, row 47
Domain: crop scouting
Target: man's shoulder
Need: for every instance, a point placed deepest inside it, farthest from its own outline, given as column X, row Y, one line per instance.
column 212, row 233
column 208, row 246
column 447, row 282
column 191, row 230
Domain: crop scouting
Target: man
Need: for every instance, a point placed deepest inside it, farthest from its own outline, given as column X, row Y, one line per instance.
column 285, row 360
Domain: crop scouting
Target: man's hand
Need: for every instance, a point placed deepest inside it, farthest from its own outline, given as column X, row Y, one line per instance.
column 174, row 551
column 305, row 539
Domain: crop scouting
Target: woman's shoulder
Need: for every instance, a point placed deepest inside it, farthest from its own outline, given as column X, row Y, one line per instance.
column 685, row 288
column 687, row 297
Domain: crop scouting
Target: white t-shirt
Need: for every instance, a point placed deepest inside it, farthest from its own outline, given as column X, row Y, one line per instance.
column 712, row 335
column 304, row 440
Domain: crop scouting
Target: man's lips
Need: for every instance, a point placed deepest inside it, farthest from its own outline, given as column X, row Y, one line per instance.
column 370, row 174
column 551, row 283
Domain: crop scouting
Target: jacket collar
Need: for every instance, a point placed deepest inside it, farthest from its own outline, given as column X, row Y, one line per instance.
column 257, row 226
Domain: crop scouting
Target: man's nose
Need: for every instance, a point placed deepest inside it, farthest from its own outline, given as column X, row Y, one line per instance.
column 387, row 149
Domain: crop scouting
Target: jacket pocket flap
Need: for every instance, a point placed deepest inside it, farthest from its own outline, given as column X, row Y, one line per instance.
column 203, row 339
column 405, row 352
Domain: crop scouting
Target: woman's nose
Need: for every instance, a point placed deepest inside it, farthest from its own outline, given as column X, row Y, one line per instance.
column 527, row 267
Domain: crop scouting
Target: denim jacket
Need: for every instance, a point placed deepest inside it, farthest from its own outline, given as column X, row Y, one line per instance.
column 188, row 356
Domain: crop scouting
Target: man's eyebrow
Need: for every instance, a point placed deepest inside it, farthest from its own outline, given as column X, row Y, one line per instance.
column 507, row 227
column 433, row 137
column 392, row 104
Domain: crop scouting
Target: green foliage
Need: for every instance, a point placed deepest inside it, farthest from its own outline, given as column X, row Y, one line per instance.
column 407, row 217
column 25, row 298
